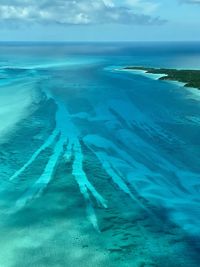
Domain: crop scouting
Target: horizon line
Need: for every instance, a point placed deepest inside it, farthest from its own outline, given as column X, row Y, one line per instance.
column 126, row 41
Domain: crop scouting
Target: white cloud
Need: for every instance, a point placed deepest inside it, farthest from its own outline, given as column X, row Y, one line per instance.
column 109, row 3
column 144, row 6
column 75, row 12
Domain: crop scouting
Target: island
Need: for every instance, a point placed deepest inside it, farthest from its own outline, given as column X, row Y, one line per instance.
column 190, row 78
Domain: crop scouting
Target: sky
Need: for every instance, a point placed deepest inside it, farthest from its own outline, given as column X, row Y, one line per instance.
column 99, row 20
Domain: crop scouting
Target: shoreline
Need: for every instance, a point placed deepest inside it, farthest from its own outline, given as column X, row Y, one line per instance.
column 154, row 76
column 188, row 78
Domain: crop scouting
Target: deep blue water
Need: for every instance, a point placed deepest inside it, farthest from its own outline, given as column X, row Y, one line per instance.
column 99, row 167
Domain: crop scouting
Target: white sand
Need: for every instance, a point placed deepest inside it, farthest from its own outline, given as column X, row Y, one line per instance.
column 153, row 76
column 15, row 100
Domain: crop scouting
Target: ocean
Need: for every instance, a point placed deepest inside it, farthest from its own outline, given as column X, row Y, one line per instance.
column 99, row 166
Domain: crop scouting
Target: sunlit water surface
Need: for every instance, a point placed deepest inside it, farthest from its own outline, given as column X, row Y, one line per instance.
column 99, row 167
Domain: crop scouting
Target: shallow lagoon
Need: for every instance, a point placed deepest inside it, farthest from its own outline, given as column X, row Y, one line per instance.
column 103, row 168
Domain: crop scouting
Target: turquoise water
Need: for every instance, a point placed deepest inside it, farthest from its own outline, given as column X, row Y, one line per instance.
column 99, row 167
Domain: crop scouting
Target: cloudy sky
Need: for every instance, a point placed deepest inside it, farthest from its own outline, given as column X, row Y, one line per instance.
column 99, row 20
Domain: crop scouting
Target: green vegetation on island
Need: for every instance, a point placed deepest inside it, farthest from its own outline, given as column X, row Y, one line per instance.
column 191, row 78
